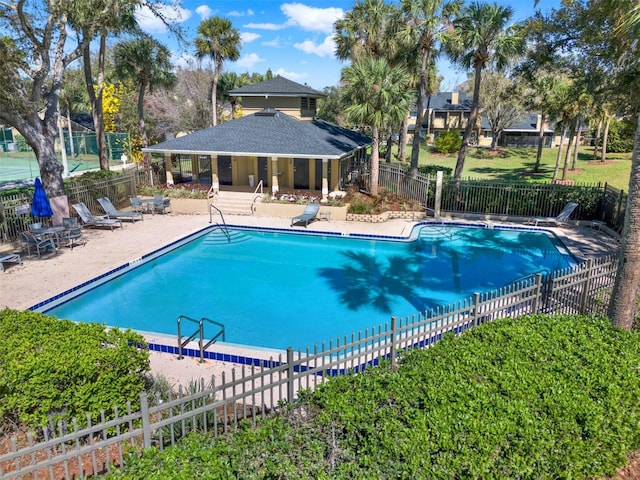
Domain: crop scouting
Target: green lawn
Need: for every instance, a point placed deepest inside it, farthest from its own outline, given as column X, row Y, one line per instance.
column 517, row 164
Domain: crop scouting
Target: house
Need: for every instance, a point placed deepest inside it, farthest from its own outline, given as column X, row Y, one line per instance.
column 278, row 142
column 446, row 111
column 442, row 112
column 523, row 132
column 296, row 100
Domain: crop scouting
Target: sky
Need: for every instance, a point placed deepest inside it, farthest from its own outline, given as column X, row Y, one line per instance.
column 293, row 39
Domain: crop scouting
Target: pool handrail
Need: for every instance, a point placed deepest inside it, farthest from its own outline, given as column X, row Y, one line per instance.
column 224, row 228
column 200, row 333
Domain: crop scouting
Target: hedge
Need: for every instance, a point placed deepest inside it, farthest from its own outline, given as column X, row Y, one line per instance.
column 530, row 398
column 54, row 370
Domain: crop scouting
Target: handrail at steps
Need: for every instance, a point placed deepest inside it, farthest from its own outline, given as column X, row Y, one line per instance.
column 224, row 224
column 258, row 187
column 200, row 333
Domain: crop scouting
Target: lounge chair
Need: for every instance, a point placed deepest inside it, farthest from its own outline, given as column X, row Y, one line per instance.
column 562, row 217
column 161, row 204
column 112, row 213
column 309, row 214
column 11, row 257
column 40, row 245
column 89, row 220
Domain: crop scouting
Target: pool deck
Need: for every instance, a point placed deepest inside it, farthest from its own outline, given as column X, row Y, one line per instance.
column 37, row 279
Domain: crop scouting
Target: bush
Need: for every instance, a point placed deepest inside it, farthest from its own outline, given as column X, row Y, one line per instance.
column 433, row 170
column 620, row 137
column 533, row 397
column 448, row 142
column 55, row 370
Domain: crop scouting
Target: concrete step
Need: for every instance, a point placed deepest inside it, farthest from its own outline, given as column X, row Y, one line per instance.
column 235, row 203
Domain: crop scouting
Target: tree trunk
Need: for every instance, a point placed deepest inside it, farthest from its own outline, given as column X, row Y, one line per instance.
column 565, row 167
column 422, row 93
column 375, row 160
column 214, row 93
column 95, row 99
column 494, row 140
column 543, row 119
column 605, row 136
column 387, row 156
column 473, row 115
column 141, row 124
column 626, row 290
column 402, row 140
column 596, row 141
column 575, row 147
column 559, row 156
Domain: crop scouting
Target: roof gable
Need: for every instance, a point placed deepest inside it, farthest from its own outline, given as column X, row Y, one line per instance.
column 276, row 86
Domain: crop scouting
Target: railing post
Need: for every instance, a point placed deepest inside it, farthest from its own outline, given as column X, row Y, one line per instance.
column 146, row 420
column 476, row 307
column 438, row 200
column 290, row 389
column 536, row 293
column 201, row 339
column 180, row 357
column 586, row 285
column 393, row 342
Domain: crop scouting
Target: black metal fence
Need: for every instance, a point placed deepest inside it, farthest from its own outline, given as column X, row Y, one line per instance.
column 505, row 198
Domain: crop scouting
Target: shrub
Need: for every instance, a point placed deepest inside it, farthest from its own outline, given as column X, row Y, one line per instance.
column 433, row 170
column 54, row 369
column 533, row 397
column 448, row 142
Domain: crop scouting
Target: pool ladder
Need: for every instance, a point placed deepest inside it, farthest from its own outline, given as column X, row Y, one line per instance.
column 199, row 333
column 223, row 227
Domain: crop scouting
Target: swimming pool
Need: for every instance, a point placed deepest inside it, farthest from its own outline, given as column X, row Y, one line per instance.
column 276, row 289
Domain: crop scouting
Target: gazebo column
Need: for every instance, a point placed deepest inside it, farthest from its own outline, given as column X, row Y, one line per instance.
column 325, row 179
column 274, row 175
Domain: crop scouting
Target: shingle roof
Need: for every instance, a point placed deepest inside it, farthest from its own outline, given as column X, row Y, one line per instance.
column 442, row 101
column 276, row 86
column 268, row 133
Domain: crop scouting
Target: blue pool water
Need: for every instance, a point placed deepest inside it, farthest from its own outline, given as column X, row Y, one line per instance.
column 277, row 289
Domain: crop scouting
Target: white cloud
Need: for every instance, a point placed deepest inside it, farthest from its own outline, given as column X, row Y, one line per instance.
column 310, row 18
column 325, row 49
column 249, row 37
column 172, row 14
column 248, row 60
column 290, row 75
column 272, row 43
column 264, row 26
column 238, row 13
column 204, row 11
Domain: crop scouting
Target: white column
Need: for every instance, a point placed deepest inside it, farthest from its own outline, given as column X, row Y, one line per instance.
column 275, row 187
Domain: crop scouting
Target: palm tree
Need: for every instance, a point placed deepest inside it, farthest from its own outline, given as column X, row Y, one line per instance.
column 623, row 307
column 377, row 95
column 230, row 81
column 480, row 38
column 425, row 22
column 147, row 63
column 218, row 40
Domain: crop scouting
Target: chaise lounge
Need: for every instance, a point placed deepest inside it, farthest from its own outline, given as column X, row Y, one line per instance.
column 112, row 213
column 309, row 214
column 562, row 217
column 89, row 220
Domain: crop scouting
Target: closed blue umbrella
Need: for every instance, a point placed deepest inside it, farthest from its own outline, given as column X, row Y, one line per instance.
column 40, row 206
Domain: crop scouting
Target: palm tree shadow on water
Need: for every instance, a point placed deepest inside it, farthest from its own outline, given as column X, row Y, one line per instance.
column 364, row 280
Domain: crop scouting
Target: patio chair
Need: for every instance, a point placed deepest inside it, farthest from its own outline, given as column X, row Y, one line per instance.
column 89, row 220
column 309, row 214
column 72, row 232
column 11, row 257
column 136, row 204
column 39, row 245
column 161, row 204
column 562, row 217
column 112, row 213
